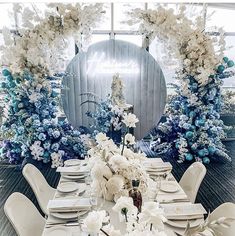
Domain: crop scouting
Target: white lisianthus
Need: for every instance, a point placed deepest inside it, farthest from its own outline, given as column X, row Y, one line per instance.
column 94, row 221
column 125, row 203
column 130, row 120
column 153, row 214
column 115, row 184
column 101, row 137
column 129, row 139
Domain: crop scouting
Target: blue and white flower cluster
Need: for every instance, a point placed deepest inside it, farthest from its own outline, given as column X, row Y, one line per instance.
column 193, row 129
column 30, row 129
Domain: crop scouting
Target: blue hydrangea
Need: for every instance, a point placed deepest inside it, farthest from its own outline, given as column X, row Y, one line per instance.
column 42, row 137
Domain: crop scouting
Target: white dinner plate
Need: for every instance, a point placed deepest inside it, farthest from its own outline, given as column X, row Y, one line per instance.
column 65, row 215
column 183, row 223
column 81, row 188
column 74, row 176
column 72, row 162
column 68, row 215
column 170, row 187
column 59, row 231
column 67, row 187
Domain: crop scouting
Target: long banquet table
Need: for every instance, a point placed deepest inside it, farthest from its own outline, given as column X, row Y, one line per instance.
column 75, row 229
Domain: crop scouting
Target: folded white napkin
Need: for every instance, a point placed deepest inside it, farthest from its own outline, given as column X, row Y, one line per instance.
column 152, row 161
column 183, row 211
column 68, row 205
column 155, row 167
column 72, row 170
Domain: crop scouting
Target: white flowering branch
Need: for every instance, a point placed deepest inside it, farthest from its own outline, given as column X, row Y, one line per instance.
column 186, row 41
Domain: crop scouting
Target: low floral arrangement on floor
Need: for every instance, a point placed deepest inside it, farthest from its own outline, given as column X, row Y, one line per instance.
column 114, row 167
column 106, row 116
column 148, row 222
column 108, row 113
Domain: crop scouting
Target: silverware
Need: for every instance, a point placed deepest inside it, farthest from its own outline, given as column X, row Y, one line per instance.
column 174, row 200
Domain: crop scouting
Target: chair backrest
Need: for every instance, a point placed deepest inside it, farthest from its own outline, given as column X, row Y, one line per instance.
column 23, row 215
column 192, row 179
column 42, row 190
column 225, row 210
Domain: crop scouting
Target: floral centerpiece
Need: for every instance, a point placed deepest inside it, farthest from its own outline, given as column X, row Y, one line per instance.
column 114, row 167
column 149, row 222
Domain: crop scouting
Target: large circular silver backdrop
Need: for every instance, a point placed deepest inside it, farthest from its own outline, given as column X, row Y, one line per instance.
column 92, row 71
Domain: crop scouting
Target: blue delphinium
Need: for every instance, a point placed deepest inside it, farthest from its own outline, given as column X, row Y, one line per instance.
column 193, row 130
column 30, row 128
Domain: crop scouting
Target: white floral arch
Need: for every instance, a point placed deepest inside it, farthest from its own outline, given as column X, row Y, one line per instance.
column 39, row 45
column 199, row 74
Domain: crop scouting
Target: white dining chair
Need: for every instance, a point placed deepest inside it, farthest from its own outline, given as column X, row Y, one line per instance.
column 225, row 210
column 192, row 179
column 42, row 190
column 23, row 215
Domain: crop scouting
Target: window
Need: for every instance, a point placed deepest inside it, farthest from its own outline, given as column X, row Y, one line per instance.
column 135, row 39
column 7, row 16
column 113, row 26
column 220, row 17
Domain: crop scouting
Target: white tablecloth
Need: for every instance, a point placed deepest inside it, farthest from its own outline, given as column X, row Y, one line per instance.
column 114, row 218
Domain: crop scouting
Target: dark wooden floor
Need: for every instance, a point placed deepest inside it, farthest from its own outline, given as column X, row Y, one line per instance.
column 217, row 187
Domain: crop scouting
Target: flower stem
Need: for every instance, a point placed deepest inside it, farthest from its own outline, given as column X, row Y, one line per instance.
column 104, row 232
column 123, row 141
column 105, row 177
column 126, row 217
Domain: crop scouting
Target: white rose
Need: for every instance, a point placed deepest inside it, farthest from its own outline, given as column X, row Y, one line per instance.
column 101, row 137
column 130, row 120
